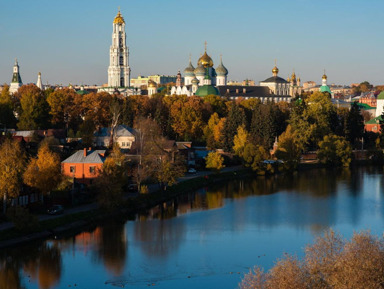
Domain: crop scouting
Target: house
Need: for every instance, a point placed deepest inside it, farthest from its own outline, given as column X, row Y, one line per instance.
column 373, row 125
column 84, row 165
column 123, row 135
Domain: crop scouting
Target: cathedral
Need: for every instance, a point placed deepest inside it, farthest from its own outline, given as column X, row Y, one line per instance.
column 203, row 77
column 119, row 72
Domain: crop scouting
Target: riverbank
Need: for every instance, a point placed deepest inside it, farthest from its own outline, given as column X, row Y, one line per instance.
column 53, row 226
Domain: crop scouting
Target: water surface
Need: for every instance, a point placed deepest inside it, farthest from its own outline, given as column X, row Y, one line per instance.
column 207, row 239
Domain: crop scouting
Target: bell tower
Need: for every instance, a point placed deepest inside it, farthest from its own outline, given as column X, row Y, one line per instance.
column 118, row 70
column 16, row 79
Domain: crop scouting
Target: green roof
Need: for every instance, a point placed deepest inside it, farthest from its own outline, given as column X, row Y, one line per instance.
column 82, row 92
column 364, row 106
column 325, row 88
column 207, row 90
column 381, row 95
column 374, row 120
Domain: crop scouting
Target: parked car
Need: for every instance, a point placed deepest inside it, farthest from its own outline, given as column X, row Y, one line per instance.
column 192, row 171
column 55, row 210
column 132, row 188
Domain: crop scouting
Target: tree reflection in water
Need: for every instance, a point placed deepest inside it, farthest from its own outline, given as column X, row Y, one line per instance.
column 40, row 263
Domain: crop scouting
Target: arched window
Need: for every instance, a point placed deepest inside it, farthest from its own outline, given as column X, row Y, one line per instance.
column 121, row 60
column 122, row 82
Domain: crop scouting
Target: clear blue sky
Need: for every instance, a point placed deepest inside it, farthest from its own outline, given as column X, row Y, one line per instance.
column 68, row 41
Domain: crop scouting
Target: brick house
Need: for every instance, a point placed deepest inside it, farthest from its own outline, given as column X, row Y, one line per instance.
column 84, row 165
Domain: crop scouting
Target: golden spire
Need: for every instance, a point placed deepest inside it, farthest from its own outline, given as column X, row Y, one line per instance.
column 205, row 44
column 119, row 19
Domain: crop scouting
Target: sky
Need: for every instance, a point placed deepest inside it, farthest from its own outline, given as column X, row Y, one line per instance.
column 68, row 40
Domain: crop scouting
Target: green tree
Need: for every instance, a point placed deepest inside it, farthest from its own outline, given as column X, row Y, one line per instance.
column 354, row 125
column 236, row 118
column 168, row 170
column 43, row 172
column 34, row 112
column 214, row 161
column 113, row 176
column 87, row 130
column 335, row 151
column 12, row 165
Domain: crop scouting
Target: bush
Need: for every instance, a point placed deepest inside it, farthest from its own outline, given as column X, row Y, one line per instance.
column 22, row 219
column 331, row 262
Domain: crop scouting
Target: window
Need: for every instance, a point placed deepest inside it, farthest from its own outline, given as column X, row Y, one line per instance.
column 122, row 82
column 121, row 60
column 123, row 144
column 72, row 169
column 92, row 170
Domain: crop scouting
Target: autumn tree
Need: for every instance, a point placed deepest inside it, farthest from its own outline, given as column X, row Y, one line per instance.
column 12, row 165
column 61, row 107
column 43, row 172
column 214, row 161
column 168, row 169
column 34, row 108
column 331, row 262
column 213, row 131
column 289, row 149
column 7, row 118
column 240, row 140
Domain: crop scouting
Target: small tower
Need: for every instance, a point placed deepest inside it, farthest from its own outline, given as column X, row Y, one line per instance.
column 39, row 83
column 324, row 87
column 16, row 82
column 179, row 80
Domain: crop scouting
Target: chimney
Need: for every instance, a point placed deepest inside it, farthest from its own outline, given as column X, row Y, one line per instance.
column 85, row 152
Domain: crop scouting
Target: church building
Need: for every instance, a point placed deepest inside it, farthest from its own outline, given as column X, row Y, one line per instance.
column 16, row 82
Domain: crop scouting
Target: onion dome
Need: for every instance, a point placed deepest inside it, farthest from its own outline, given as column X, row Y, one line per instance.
column 189, row 71
column 293, row 76
column 275, row 70
column 119, row 19
column 288, row 79
column 195, row 81
column 151, row 83
column 221, row 70
column 205, row 60
column 200, row 70
column 324, row 76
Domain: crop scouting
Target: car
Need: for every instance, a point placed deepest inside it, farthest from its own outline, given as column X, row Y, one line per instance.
column 55, row 210
column 192, row 171
column 132, row 187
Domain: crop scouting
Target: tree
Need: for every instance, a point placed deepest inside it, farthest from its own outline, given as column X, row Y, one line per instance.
column 43, row 172
column 61, row 106
column 236, row 118
column 7, row 118
column 355, row 125
column 240, row 141
column 113, row 176
column 330, row 262
column 334, row 151
column 12, row 164
column 34, row 112
column 289, row 149
column 215, row 161
column 167, row 171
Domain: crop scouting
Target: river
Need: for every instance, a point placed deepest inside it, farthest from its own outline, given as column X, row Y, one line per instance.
column 207, row 239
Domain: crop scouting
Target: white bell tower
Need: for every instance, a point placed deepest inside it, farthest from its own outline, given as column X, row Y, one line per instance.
column 118, row 70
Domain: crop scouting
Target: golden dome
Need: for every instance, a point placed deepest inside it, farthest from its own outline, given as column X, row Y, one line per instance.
column 151, row 83
column 324, row 76
column 293, row 76
column 205, row 60
column 119, row 19
column 275, row 70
